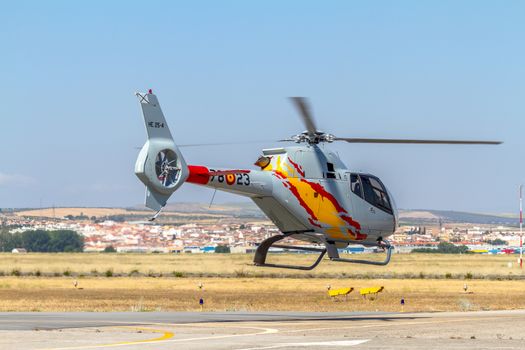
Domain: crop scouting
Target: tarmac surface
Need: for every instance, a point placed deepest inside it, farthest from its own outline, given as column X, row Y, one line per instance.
column 265, row 330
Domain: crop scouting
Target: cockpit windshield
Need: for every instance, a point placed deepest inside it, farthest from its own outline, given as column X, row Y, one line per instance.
column 371, row 190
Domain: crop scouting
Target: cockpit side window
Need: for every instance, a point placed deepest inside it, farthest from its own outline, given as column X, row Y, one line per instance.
column 355, row 185
column 375, row 193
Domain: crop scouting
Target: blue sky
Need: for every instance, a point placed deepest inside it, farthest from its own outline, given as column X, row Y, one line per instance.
column 222, row 71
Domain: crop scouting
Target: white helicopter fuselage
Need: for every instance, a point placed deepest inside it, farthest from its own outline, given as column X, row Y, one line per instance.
column 308, row 190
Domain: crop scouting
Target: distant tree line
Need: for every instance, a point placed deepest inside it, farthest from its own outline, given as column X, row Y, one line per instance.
column 109, row 249
column 222, row 249
column 444, row 248
column 497, row 241
column 42, row 241
column 77, row 217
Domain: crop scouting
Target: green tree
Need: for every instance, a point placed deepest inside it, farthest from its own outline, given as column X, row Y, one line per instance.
column 8, row 241
column 35, row 241
column 449, row 248
column 497, row 241
column 110, row 249
column 444, row 248
column 44, row 241
column 222, row 249
column 65, row 241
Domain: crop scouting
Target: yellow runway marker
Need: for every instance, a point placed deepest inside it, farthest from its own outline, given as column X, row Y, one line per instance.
column 165, row 335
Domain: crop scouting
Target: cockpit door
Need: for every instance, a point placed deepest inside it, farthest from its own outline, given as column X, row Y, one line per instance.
column 359, row 206
column 379, row 208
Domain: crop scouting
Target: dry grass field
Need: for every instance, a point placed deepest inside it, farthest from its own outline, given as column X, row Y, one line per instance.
column 252, row 294
column 132, row 282
column 419, row 266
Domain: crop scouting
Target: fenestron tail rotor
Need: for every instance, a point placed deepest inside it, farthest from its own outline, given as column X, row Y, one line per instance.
column 314, row 136
column 166, row 169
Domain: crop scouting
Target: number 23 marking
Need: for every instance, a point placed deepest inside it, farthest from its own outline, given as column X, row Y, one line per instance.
column 242, row 179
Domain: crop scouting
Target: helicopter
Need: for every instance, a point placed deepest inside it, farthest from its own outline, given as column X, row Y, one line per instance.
column 304, row 189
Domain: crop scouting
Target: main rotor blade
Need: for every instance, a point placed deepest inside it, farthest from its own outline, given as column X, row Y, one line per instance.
column 428, row 142
column 302, row 106
column 226, row 143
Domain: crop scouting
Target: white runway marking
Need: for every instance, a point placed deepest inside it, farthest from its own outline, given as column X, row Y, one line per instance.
column 313, row 344
column 161, row 341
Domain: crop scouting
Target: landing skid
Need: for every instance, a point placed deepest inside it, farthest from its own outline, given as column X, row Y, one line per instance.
column 330, row 248
column 262, row 251
column 334, row 255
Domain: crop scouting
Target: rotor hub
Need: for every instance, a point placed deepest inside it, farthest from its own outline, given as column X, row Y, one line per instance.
column 313, row 138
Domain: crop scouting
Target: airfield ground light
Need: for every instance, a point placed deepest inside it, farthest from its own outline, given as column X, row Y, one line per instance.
column 201, row 298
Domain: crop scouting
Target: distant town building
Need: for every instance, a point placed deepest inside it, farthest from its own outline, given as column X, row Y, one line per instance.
column 242, row 235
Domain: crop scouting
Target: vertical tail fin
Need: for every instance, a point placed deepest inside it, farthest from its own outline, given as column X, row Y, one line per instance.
column 160, row 164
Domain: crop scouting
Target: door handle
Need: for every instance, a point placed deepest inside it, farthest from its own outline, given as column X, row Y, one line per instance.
column 372, row 210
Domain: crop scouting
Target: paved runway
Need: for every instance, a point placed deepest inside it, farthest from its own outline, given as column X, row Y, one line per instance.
column 258, row 331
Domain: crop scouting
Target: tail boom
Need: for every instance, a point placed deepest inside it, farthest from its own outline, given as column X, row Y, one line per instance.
column 250, row 183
